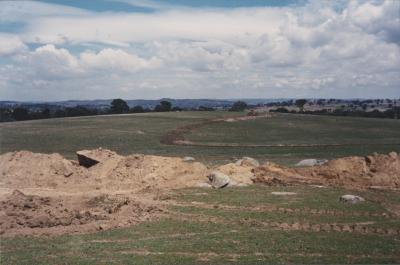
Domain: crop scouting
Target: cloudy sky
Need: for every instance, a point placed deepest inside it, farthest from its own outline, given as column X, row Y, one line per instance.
column 73, row 49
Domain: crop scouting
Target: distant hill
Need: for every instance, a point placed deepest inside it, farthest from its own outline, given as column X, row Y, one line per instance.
column 145, row 103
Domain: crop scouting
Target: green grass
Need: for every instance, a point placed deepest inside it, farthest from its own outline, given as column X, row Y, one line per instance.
column 301, row 129
column 199, row 240
column 305, row 129
column 117, row 132
column 306, row 197
column 120, row 133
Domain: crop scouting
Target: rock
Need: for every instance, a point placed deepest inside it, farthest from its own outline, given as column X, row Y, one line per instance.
column 89, row 158
column 393, row 155
column 311, row 162
column 218, row 180
column 188, row 159
column 283, row 193
column 318, row 186
column 68, row 174
column 86, row 159
column 247, row 161
column 353, row 199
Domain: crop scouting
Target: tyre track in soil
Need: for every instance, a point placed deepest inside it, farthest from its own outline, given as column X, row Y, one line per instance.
column 286, row 226
column 206, row 256
column 273, row 208
column 177, row 137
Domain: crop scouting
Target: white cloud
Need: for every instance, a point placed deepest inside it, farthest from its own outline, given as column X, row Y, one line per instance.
column 10, row 44
column 116, row 59
column 351, row 50
column 49, row 62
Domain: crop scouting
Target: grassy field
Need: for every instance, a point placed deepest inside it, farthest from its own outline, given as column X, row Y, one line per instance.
column 141, row 133
column 245, row 225
column 125, row 134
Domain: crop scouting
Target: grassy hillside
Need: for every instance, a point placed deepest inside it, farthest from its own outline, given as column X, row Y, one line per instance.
column 141, row 133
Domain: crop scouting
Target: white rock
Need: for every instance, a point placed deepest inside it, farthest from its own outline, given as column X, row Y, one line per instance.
column 283, row 193
column 247, row 161
column 218, row 180
column 311, row 162
column 353, row 199
column 188, row 159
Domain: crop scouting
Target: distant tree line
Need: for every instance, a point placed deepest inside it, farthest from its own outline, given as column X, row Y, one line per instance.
column 117, row 106
column 354, row 108
column 392, row 113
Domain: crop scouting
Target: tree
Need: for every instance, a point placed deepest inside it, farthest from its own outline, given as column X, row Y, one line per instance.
column 119, row 106
column 364, row 107
column 60, row 113
column 79, row 111
column 137, row 109
column 45, row 113
column 238, row 106
column 6, row 114
column 300, row 104
column 164, row 106
column 20, row 114
column 204, row 108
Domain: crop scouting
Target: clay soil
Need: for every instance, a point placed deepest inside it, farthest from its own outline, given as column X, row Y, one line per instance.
column 48, row 194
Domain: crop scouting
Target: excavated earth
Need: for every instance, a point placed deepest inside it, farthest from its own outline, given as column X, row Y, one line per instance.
column 377, row 171
column 48, row 194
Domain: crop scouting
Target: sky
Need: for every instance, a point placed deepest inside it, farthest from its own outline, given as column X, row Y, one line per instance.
column 150, row 49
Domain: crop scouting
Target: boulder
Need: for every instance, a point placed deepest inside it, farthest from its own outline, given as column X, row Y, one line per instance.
column 89, row 158
column 218, row 180
column 188, row 159
column 311, row 162
column 247, row 161
column 353, row 199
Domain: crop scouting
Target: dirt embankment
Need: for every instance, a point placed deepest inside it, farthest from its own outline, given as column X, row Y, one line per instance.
column 46, row 193
column 375, row 171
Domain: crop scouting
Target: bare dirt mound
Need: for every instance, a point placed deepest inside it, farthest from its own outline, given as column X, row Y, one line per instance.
column 377, row 170
column 56, row 195
column 25, row 169
column 239, row 174
column 46, row 193
column 143, row 172
column 32, row 214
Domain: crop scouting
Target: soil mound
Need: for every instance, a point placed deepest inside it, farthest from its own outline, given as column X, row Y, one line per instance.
column 145, row 172
column 31, row 214
column 240, row 174
column 356, row 172
column 88, row 158
column 45, row 193
column 25, row 169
